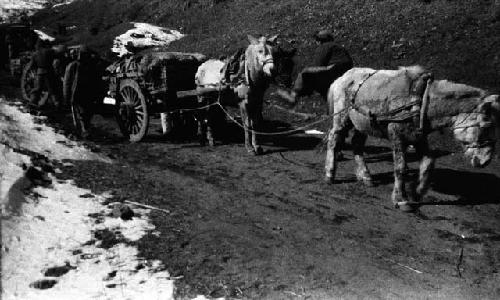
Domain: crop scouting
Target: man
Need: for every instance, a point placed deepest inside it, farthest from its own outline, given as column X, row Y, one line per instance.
column 330, row 62
column 82, row 89
column 42, row 61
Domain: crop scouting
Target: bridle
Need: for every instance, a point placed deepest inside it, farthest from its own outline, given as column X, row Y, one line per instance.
column 482, row 125
column 268, row 61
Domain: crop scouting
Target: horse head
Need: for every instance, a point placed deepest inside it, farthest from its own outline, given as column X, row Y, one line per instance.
column 259, row 57
column 477, row 131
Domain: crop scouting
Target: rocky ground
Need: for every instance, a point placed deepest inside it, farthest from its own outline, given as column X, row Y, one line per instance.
column 231, row 225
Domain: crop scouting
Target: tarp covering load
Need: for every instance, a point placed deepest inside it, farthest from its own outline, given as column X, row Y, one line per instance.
column 170, row 70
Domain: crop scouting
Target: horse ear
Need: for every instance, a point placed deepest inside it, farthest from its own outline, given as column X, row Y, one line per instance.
column 485, row 107
column 493, row 102
column 273, row 39
column 495, row 108
column 252, row 40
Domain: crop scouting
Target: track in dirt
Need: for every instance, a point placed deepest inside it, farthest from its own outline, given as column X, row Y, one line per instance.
column 266, row 227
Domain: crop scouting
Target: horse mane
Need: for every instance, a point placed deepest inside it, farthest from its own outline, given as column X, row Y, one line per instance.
column 414, row 72
column 450, row 99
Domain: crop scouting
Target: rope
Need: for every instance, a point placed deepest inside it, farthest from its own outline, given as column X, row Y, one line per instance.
column 361, row 84
column 286, row 132
column 192, row 109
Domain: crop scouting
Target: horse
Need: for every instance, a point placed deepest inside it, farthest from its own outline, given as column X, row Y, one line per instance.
column 261, row 62
column 404, row 106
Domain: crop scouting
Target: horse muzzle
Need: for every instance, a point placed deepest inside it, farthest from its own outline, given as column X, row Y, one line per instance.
column 479, row 157
column 268, row 67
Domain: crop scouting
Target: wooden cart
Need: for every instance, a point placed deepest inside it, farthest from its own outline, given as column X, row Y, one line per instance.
column 149, row 82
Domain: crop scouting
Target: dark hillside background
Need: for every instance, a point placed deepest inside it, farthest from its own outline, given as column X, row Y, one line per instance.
column 458, row 40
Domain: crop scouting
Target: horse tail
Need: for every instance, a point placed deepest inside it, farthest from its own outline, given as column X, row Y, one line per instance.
column 429, row 78
column 495, row 106
column 331, row 95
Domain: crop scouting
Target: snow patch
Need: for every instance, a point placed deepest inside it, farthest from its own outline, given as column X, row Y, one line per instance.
column 314, row 132
column 9, row 9
column 43, row 36
column 144, row 35
column 45, row 227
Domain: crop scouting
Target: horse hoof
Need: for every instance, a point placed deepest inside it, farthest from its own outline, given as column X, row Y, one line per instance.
column 406, row 206
column 328, row 179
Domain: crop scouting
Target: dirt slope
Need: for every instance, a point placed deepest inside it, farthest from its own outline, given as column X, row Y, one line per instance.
column 459, row 40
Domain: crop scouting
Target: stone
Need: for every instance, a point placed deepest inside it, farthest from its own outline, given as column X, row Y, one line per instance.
column 122, row 211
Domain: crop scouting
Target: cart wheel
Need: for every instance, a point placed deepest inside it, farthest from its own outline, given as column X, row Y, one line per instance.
column 28, row 79
column 132, row 111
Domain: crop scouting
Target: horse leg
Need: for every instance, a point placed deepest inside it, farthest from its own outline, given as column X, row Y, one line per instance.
column 246, row 124
column 358, row 143
column 336, row 138
column 256, row 121
column 210, row 121
column 398, row 150
column 200, row 116
column 426, row 167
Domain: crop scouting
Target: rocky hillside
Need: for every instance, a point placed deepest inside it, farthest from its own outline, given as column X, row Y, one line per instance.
column 458, row 40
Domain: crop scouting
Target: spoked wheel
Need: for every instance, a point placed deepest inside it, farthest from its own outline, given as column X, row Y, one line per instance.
column 132, row 113
column 28, row 79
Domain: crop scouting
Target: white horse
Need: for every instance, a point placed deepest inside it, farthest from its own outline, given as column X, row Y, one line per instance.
column 259, row 66
column 404, row 106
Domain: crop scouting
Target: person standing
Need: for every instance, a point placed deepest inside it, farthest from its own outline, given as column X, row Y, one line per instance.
column 82, row 88
column 42, row 61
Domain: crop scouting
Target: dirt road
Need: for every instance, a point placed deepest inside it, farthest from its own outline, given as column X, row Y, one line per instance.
column 266, row 227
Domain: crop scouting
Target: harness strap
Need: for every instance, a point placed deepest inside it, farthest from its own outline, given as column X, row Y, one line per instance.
column 390, row 116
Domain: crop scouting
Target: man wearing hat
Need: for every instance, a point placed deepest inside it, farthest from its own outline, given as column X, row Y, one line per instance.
column 42, row 61
column 82, row 88
column 330, row 62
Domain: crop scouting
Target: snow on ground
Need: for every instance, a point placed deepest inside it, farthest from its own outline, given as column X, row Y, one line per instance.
column 12, row 8
column 45, row 227
column 143, row 35
column 7, row 6
column 43, row 36
column 314, row 132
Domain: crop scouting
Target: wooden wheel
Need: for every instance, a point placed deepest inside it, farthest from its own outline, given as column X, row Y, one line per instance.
column 28, row 79
column 132, row 112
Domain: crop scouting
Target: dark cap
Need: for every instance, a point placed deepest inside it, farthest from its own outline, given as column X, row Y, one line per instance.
column 324, row 35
